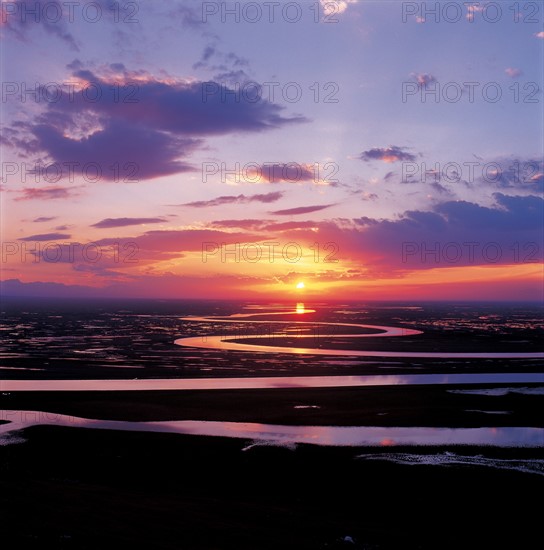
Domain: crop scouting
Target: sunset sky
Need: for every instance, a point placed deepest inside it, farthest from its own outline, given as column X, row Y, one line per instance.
column 407, row 151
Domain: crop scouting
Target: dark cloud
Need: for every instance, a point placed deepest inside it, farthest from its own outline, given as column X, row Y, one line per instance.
column 179, row 107
column 393, row 153
column 136, row 151
column 237, row 199
column 513, row 214
column 453, row 233
column 301, row 210
column 43, row 219
column 140, row 129
column 46, row 237
column 122, row 222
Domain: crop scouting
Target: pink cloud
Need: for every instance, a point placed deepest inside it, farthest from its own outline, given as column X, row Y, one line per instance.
column 512, row 72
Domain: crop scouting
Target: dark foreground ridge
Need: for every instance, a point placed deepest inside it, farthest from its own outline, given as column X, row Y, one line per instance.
column 74, row 488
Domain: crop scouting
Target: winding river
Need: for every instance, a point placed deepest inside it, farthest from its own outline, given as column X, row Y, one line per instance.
column 228, row 343
column 289, row 435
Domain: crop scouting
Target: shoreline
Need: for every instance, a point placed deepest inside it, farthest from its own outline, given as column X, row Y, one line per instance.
column 282, row 435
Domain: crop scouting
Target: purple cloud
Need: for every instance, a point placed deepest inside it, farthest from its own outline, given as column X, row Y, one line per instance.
column 46, row 237
column 144, row 127
column 46, row 193
column 393, row 153
column 180, row 107
column 236, row 199
column 301, row 210
column 453, row 233
column 123, row 222
column 137, row 152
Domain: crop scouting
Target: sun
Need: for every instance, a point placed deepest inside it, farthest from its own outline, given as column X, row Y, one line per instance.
column 301, row 285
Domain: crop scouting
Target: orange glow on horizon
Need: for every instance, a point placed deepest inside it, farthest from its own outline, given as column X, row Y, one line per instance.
column 510, row 282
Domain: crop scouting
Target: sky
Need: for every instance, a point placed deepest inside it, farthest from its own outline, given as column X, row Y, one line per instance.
column 188, row 149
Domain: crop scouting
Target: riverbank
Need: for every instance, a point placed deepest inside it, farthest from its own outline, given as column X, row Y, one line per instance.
column 440, row 406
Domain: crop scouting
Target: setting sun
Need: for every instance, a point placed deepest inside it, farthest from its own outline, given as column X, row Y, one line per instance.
column 301, row 285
